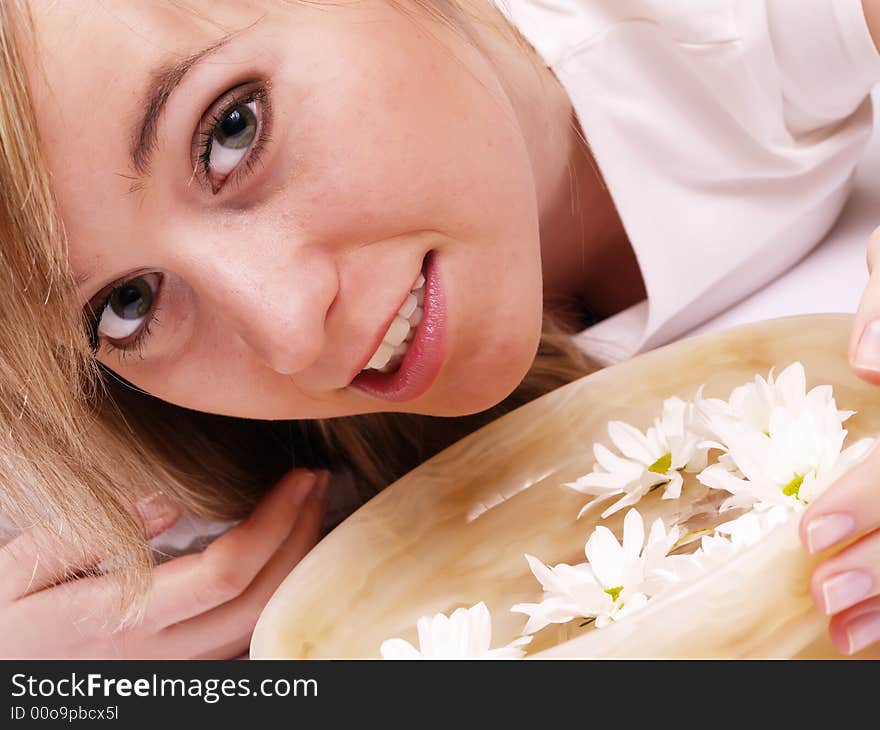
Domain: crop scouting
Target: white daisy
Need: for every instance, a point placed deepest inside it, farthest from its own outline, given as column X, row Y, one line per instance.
column 848, row 458
column 791, row 462
column 753, row 403
column 727, row 540
column 617, row 579
column 748, row 529
column 674, row 443
column 466, row 634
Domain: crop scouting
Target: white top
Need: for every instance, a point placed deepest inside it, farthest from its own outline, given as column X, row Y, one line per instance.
column 727, row 133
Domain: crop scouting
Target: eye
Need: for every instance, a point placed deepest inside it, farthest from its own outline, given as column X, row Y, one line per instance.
column 232, row 134
column 128, row 307
column 231, row 138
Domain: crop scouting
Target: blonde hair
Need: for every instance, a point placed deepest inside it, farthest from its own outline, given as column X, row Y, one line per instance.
column 77, row 447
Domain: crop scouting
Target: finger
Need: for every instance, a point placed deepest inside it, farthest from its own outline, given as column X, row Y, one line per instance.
column 29, row 634
column 207, row 636
column 42, row 556
column 848, row 508
column 190, row 584
column 849, row 577
column 864, row 345
column 184, row 586
column 856, row 628
column 193, row 584
column 224, row 632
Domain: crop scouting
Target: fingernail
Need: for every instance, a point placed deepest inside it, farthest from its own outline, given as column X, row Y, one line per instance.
column 825, row 531
column 863, row 631
column 305, row 484
column 155, row 510
column 868, row 351
column 845, row 589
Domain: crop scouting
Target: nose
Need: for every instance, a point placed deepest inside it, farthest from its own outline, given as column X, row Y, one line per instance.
column 275, row 302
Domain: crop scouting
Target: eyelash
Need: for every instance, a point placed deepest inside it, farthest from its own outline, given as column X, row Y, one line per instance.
column 218, row 112
column 135, row 344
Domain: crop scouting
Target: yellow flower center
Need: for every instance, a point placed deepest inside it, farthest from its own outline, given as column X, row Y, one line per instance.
column 662, row 465
column 793, row 487
column 614, row 592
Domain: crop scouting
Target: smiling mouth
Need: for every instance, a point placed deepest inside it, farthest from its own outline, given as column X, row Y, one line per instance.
column 405, row 371
column 395, row 344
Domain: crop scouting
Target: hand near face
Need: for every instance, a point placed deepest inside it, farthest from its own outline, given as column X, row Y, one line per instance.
column 201, row 606
column 846, row 586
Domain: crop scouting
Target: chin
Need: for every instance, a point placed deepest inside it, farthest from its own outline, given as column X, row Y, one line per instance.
column 485, row 381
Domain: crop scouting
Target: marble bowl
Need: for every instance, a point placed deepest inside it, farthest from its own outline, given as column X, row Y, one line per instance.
column 453, row 531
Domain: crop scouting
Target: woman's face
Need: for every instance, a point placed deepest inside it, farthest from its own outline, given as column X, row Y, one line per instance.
column 251, row 195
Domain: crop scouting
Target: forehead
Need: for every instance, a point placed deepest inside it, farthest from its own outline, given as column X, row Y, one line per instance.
column 96, row 28
column 76, row 39
column 92, row 53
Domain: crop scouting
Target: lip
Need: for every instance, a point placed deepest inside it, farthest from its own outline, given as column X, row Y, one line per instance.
column 380, row 333
column 423, row 359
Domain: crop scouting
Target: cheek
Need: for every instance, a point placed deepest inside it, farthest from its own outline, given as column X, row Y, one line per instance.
column 395, row 135
column 219, row 377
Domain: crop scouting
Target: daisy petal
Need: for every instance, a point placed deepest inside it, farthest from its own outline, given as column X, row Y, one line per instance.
column 631, row 442
column 673, row 488
column 398, row 649
column 605, row 556
column 598, row 481
column 625, row 501
column 633, row 534
column 600, row 498
column 609, row 461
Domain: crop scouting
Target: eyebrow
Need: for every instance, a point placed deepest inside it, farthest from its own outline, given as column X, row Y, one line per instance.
column 163, row 82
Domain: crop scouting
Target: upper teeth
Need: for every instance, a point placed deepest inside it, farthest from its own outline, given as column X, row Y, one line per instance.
column 402, row 330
